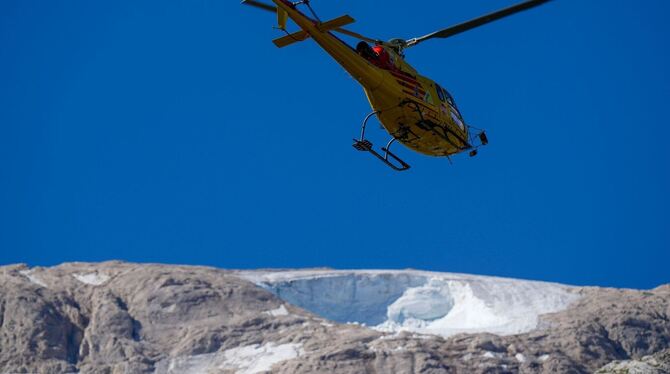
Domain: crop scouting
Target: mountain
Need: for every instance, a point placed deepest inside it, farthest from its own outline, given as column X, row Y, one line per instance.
column 116, row 317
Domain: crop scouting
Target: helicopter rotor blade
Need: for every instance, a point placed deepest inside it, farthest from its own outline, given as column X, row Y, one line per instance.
column 479, row 21
column 357, row 35
column 260, row 5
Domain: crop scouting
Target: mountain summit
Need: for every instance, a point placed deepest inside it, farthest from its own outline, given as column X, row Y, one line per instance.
column 117, row 317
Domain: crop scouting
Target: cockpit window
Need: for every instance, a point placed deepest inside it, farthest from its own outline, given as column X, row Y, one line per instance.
column 450, row 99
column 440, row 94
column 445, row 95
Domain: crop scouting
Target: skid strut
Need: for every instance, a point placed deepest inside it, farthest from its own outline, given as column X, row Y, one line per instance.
column 390, row 159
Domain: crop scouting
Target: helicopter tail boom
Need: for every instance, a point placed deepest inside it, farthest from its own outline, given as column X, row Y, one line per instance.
column 358, row 67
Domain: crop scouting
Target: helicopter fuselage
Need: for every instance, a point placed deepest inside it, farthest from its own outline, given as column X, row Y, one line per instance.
column 414, row 109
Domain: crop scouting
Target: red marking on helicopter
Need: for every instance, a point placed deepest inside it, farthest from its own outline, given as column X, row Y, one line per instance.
column 404, row 76
column 415, row 88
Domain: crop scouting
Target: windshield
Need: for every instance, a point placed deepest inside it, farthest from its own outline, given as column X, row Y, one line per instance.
column 445, row 96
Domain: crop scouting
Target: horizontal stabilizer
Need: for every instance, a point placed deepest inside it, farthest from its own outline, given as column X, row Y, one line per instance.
column 290, row 39
column 335, row 23
column 324, row 27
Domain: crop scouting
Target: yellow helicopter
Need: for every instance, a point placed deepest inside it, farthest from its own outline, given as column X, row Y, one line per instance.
column 415, row 110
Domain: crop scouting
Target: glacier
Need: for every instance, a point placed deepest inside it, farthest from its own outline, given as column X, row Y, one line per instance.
column 421, row 302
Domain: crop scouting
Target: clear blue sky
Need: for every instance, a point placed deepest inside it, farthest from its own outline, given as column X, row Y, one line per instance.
column 174, row 131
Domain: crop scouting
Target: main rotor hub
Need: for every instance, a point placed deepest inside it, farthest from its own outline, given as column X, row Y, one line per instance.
column 397, row 44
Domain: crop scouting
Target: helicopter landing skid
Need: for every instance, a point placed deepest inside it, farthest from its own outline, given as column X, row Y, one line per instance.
column 366, row 145
column 362, row 144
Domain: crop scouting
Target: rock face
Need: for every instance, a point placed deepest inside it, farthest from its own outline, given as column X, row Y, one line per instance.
column 116, row 317
column 658, row 363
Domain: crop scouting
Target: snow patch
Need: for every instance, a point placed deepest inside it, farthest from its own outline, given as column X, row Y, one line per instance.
column 250, row 359
column 489, row 354
column 520, row 357
column 93, row 279
column 33, row 279
column 256, row 358
column 281, row 311
column 418, row 301
column 376, row 349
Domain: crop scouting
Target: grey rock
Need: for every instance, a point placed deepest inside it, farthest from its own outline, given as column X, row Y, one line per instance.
column 116, row 317
column 658, row 363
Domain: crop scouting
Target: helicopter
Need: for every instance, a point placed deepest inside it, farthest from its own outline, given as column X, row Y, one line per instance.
column 415, row 110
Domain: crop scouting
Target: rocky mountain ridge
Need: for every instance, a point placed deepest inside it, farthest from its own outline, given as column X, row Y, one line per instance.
column 116, row 317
